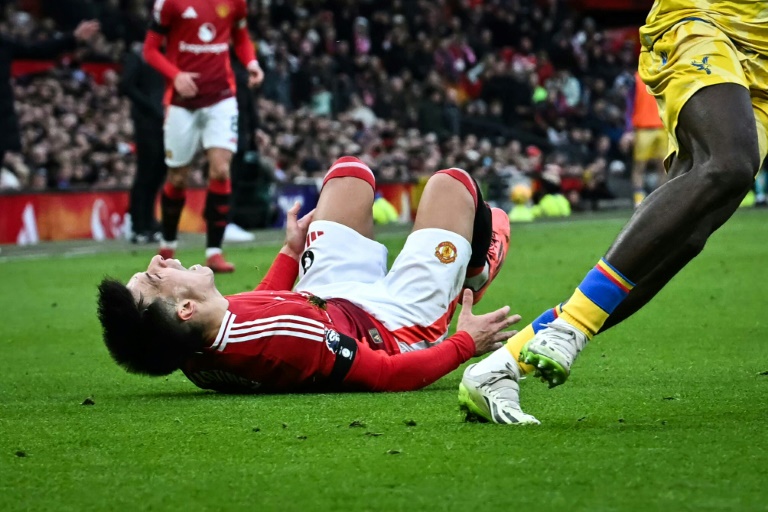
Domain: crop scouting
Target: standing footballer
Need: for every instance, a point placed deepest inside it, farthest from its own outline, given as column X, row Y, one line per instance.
column 200, row 106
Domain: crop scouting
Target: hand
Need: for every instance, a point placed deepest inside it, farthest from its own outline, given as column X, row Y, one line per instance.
column 296, row 231
column 487, row 330
column 255, row 74
column 184, row 83
column 86, row 30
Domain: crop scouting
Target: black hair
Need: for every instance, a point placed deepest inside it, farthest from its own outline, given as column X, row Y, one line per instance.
column 145, row 338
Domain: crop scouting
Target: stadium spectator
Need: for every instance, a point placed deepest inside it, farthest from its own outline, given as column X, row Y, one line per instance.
column 349, row 324
column 523, row 73
column 202, row 107
column 13, row 48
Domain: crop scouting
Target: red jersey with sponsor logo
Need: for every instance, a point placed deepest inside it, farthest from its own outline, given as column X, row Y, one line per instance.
column 275, row 340
column 198, row 34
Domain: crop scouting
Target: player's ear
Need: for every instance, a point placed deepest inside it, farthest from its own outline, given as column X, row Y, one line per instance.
column 186, row 309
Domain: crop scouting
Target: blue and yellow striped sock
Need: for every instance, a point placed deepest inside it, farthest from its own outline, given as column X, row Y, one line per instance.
column 516, row 343
column 596, row 297
column 601, row 291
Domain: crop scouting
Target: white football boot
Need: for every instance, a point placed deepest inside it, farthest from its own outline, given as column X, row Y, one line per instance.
column 493, row 396
column 553, row 350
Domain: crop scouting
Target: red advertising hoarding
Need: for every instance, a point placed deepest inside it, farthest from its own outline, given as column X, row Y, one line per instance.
column 30, row 218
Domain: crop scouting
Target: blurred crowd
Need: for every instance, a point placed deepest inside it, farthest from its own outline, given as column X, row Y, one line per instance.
column 499, row 87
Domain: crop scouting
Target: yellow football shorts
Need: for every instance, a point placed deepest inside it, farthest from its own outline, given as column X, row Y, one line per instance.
column 650, row 144
column 693, row 55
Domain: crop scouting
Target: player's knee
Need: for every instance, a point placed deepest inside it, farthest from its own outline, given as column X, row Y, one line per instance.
column 350, row 167
column 457, row 178
column 219, row 171
column 453, row 190
column 177, row 178
column 732, row 172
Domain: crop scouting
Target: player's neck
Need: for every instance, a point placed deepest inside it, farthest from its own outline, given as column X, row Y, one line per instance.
column 211, row 316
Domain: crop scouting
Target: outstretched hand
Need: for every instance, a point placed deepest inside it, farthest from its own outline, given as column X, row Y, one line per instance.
column 296, row 231
column 487, row 330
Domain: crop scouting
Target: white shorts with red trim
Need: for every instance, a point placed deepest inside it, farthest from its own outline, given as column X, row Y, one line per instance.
column 415, row 300
column 185, row 130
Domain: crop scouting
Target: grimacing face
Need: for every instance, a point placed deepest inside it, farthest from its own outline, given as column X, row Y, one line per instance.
column 168, row 278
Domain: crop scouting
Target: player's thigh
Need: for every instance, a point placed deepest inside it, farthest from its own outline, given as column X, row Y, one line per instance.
column 695, row 73
column 347, row 201
column 446, row 204
column 181, row 136
column 219, row 125
column 337, row 259
column 422, row 289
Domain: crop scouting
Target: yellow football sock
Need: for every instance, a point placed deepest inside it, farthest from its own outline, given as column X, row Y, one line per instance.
column 596, row 297
column 588, row 308
column 516, row 343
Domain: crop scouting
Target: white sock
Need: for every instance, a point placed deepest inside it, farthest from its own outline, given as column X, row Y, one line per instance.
column 474, row 283
column 496, row 361
column 168, row 245
column 211, row 251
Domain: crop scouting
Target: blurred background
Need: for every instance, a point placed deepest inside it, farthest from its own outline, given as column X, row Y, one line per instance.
column 514, row 91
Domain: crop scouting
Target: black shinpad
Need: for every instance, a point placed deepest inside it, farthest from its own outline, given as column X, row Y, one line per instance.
column 481, row 231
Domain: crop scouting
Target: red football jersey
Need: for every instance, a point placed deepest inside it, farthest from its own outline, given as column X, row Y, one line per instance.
column 276, row 340
column 268, row 341
column 198, row 34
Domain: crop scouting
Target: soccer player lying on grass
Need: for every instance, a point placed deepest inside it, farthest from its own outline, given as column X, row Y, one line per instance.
column 349, row 324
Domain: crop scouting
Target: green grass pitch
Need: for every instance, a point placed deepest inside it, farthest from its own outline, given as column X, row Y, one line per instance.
column 665, row 412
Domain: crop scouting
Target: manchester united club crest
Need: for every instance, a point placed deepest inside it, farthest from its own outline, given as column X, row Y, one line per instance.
column 446, row 252
column 222, row 10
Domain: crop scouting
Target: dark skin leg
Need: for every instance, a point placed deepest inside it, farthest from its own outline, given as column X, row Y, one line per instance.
column 716, row 127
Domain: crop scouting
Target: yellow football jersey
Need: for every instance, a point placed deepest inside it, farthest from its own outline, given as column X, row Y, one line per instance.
column 744, row 21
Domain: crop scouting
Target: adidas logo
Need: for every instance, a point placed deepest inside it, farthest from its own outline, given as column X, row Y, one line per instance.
column 189, row 14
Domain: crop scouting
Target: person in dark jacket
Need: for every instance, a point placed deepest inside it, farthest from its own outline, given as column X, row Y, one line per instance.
column 11, row 49
column 144, row 87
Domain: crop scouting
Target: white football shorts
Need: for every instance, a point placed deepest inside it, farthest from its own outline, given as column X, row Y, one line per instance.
column 184, row 131
column 415, row 300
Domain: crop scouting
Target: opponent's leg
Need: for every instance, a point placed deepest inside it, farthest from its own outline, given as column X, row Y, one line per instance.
column 723, row 160
column 649, row 286
column 717, row 128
